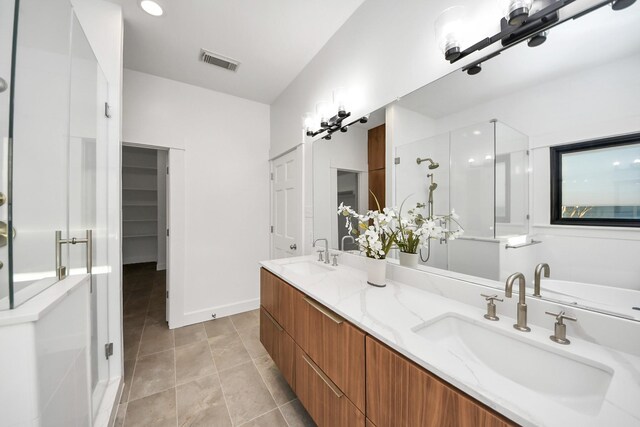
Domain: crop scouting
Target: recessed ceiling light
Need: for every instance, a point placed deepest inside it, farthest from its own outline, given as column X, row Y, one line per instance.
column 471, row 160
column 636, row 161
column 477, row 132
column 488, row 157
column 151, row 7
column 616, row 163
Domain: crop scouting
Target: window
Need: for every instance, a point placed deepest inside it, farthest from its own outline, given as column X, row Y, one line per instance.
column 597, row 182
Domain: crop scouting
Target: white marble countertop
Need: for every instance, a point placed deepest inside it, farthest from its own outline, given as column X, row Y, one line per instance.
column 389, row 314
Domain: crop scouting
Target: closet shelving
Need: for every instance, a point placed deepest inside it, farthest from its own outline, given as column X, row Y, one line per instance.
column 140, row 205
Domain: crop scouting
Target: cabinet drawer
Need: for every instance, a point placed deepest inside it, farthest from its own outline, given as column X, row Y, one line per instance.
column 335, row 345
column 279, row 345
column 277, row 297
column 268, row 292
column 400, row 392
column 322, row 398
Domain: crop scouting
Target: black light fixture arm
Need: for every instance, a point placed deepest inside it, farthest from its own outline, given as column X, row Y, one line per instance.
column 535, row 25
column 510, row 34
column 335, row 124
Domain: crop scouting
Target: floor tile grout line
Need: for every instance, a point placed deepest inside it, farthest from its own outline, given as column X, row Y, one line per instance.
column 175, row 381
column 255, row 418
column 215, row 365
column 138, row 352
column 259, row 373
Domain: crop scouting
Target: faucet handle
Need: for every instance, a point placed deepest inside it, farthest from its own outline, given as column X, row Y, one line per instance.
column 491, row 298
column 491, row 307
column 561, row 316
column 320, row 252
column 560, row 329
column 335, row 259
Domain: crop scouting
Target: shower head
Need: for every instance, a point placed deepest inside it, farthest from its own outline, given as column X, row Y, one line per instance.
column 432, row 164
column 433, row 186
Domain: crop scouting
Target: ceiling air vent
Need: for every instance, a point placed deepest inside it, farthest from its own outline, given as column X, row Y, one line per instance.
column 218, row 60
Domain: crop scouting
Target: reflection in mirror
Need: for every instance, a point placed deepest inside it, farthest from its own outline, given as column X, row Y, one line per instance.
column 482, row 177
column 491, row 136
column 346, row 169
column 492, row 133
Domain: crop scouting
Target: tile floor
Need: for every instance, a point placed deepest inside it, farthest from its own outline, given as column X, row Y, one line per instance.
column 212, row 374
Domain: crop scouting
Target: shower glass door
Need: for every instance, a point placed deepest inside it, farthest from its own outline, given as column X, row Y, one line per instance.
column 87, row 189
column 6, row 48
column 40, row 163
column 59, row 166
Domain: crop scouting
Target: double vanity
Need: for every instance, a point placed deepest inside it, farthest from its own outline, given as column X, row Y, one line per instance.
column 421, row 352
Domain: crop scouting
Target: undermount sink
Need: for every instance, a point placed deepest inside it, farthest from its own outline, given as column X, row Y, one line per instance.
column 566, row 378
column 307, row 268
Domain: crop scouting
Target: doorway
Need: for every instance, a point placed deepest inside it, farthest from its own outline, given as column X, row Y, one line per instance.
column 144, row 233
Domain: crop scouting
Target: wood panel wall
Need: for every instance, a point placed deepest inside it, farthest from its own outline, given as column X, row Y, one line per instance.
column 377, row 165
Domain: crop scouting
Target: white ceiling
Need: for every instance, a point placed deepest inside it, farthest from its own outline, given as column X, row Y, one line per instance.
column 272, row 39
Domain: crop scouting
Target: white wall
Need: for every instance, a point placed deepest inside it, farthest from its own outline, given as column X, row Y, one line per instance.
column 226, row 150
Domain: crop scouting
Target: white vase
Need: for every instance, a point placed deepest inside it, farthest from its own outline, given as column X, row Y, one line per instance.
column 408, row 260
column 376, row 272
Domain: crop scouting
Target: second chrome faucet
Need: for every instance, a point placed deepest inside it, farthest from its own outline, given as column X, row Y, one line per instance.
column 521, row 322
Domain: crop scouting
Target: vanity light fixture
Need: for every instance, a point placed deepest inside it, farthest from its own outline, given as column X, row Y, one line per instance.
column 329, row 121
column 621, row 4
column 522, row 20
column 515, row 12
column 151, row 7
column 450, row 31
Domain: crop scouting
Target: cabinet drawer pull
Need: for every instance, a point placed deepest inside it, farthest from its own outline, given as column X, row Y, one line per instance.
column 323, row 310
column 276, row 324
column 334, row 388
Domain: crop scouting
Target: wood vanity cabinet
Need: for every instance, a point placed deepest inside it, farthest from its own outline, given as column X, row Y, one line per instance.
column 277, row 297
column 336, row 346
column 276, row 322
column 401, row 393
column 279, row 345
column 322, row 398
column 334, row 367
column 269, row 292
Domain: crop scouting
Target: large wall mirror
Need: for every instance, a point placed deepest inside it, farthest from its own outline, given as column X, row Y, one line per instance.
column 487, row 147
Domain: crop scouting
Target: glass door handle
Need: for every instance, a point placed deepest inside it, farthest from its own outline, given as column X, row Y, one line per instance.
column 61, row 271
column 4, row 235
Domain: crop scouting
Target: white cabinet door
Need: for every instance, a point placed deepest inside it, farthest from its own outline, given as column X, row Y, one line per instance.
column 286, row 206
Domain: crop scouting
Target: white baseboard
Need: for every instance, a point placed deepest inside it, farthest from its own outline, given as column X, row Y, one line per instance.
column 193, row 317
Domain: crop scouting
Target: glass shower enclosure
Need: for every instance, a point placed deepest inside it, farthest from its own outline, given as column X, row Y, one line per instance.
column 482, row 175
column 53, row 162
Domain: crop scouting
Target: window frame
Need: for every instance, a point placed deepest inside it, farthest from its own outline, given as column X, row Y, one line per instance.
column 555, row 156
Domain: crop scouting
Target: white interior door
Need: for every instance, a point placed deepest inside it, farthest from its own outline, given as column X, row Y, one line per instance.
column 286, row 206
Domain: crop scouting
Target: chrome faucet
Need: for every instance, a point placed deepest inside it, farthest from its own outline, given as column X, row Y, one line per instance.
column 348, row 236
column 536, row 277
column 521, row 323
column 326, row 249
